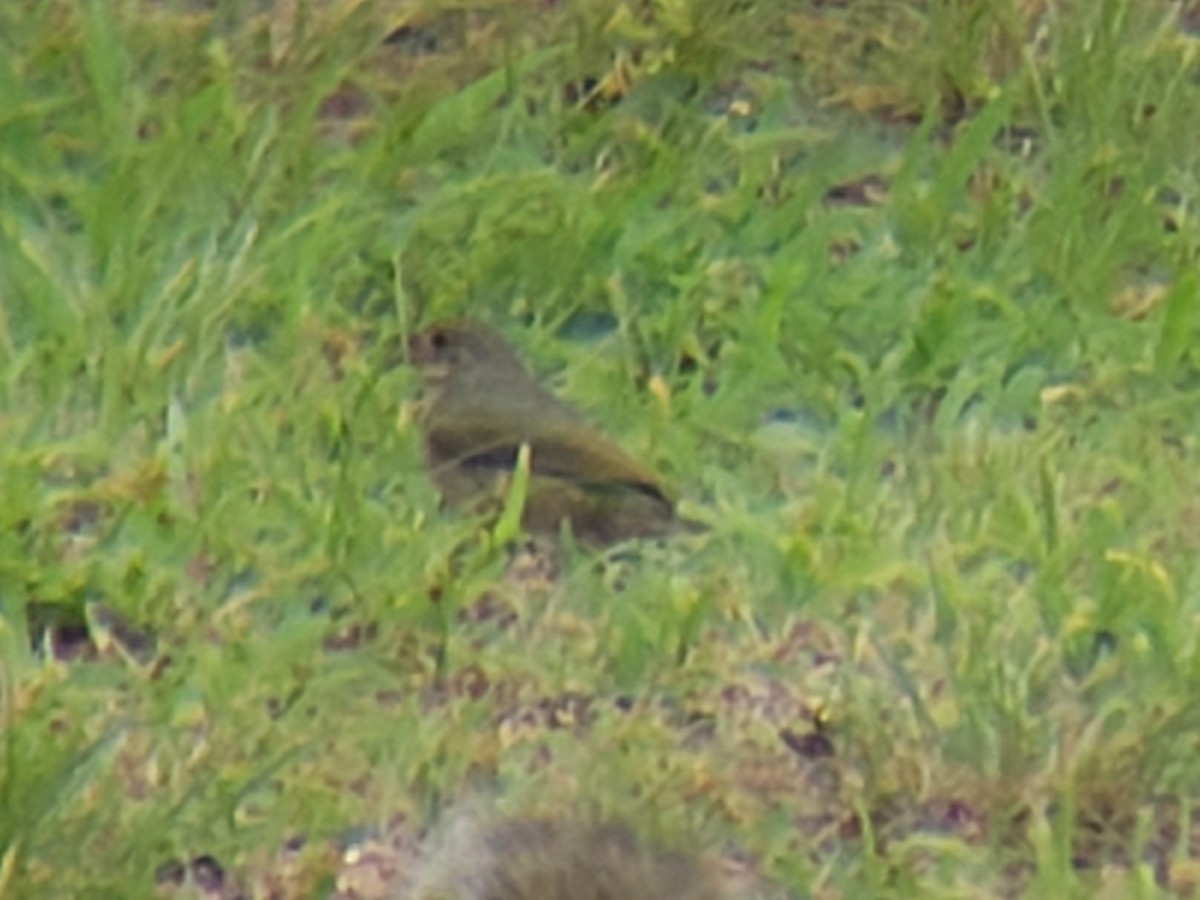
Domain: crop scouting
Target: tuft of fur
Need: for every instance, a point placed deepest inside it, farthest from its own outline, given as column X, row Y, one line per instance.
column 552, row 859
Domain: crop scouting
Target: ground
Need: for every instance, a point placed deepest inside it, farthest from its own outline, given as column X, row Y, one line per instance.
column 901, row 299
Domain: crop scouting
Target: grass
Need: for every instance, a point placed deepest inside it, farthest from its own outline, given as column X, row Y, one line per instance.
column 901, row 296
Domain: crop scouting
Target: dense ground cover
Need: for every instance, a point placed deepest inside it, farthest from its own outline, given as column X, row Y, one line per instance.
column 901, row 296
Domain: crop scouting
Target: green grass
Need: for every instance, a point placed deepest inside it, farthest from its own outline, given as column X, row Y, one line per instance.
column 946, row 440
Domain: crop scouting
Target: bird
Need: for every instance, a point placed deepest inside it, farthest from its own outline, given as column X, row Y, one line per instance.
column 480, row 404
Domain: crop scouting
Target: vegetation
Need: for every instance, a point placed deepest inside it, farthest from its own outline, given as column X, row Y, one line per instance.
column 901, row 296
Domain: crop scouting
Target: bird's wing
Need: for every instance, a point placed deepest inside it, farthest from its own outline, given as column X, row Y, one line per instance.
column 582, row 454
column 572, row 450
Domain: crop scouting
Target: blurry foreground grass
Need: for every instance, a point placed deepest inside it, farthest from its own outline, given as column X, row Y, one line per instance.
column 902, row 296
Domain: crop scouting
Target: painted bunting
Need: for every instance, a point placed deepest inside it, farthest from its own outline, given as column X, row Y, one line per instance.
column 480, row 404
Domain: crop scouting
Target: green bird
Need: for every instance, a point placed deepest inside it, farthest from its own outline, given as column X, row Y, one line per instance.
column 480, row 404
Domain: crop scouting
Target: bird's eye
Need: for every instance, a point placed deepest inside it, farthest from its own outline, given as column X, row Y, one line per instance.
column 439, row 340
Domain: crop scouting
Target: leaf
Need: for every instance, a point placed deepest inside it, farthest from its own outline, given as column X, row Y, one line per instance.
column 468, row 118
column 508, row 527
column 1179, row 323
